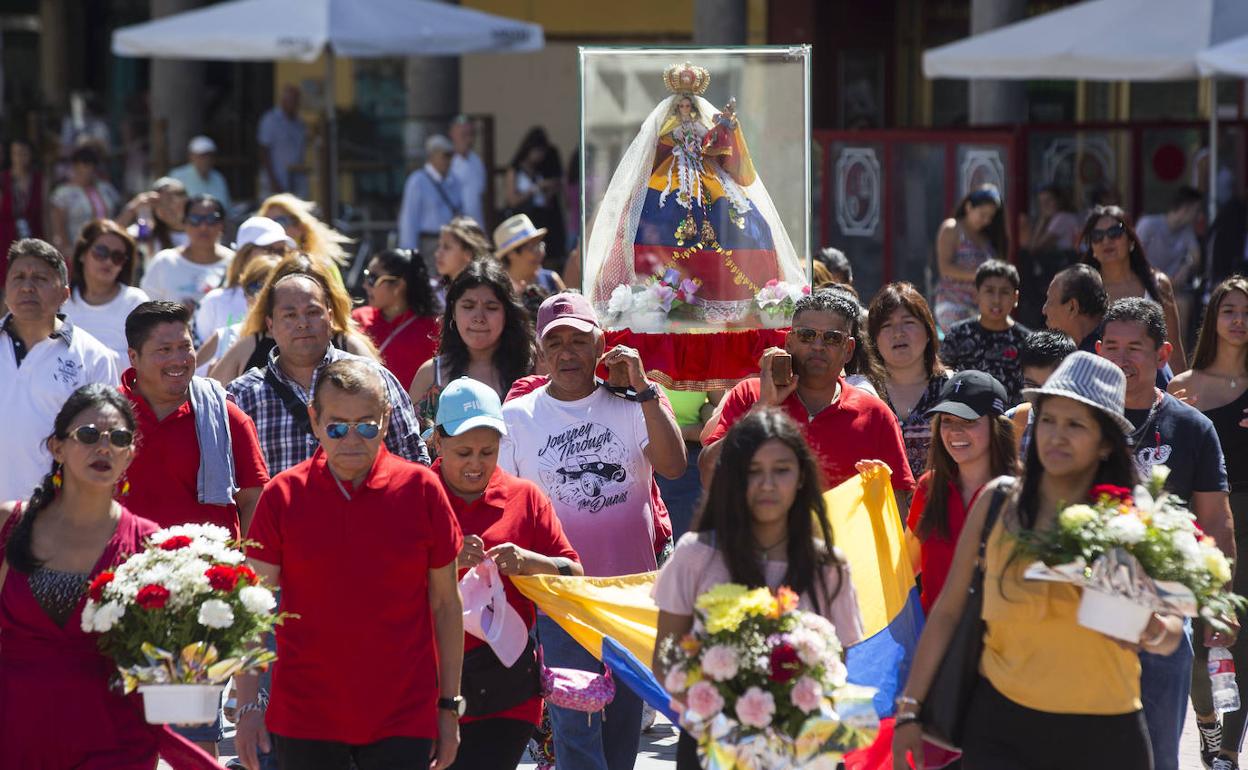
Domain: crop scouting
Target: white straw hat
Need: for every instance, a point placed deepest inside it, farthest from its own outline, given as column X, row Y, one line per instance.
column 514, row 232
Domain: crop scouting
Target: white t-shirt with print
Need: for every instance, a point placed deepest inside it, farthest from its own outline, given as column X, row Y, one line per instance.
column 587, row 455
column 34, row 393
column 107, row 322
column 171, row 276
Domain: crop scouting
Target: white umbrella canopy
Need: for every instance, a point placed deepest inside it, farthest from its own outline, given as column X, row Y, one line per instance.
column 250, row 30
column 1096, row 40
column 1230, row 58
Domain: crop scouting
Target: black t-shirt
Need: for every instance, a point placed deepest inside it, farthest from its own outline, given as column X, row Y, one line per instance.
column 968, row 345
column 1180, row 437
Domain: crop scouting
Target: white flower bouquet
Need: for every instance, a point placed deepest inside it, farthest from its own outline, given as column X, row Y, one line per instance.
column 776, row 301
column 761, row 684
column 184, row 611
column 1134, row 552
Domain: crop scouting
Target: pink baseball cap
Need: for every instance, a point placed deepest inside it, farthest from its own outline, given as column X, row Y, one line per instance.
column 566, row 309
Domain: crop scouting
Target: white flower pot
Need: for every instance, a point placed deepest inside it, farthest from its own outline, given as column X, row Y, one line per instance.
column 181, row 704
column 648, row 322
column 774, row 320
column 1113, row 615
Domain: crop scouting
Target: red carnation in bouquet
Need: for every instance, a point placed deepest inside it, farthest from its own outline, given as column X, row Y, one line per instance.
column 152, row 597
column 784, row 662
column 222, row 577
column 175, row 542
column 247, row 574
column 1119, row 494
column 96, row 591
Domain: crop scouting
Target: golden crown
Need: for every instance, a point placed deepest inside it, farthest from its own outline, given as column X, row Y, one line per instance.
column 686, row 79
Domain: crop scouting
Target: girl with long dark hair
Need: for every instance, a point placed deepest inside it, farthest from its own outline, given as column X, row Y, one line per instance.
column 401, row 317
column 1109, row 244
column 1217, row 384
column 763, row 523
column 486, row 335
column 58, row 708
column 1042, row 674
column 973, row 444
column 974, row 234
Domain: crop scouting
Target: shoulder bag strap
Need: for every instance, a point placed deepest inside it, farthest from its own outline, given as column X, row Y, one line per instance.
column 442, row 194
column 296, row 408
column 994, row 511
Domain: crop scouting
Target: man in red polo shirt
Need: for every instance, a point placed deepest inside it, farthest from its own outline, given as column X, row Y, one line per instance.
column 844, row 426
column 362, row 545
column 198, row 459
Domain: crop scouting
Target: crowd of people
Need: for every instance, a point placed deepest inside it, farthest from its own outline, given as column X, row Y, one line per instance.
column 156, row 376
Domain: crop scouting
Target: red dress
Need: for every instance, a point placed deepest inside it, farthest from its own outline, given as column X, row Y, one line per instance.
column 56, row 710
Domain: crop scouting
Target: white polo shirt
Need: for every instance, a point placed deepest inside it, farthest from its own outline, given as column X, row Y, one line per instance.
column 33, row 393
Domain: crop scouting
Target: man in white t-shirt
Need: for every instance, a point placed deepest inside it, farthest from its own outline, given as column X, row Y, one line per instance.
column 467, row 167
column 282, row 137
column 43, row 359
column 594, row 453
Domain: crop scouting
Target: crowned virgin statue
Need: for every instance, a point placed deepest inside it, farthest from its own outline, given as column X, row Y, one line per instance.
column 686, row 197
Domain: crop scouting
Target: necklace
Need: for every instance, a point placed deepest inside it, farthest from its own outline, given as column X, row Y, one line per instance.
column 766, row 549
column 1228, row 377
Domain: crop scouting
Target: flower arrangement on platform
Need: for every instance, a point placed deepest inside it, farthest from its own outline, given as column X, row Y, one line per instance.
column 761, row 684
column 648, row 305
column 1141, row 547
column 776, row 301
column 185, row 610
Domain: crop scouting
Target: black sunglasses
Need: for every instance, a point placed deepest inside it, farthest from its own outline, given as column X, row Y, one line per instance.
column 1113, row 232
column 104, row 254
column 833, row 338
column 198, row 220
column 253, row 288
column 285, row 220
column 87, row 435
column 372, row 279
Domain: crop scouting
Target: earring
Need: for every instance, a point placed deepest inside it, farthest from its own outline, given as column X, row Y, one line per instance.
column 57, row 478
column 125, row 486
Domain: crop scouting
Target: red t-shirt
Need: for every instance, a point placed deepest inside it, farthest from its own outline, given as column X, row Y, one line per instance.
column 405, row 343
column 858, row 426
column 512, row 510
column 359, row 663
column 936, row 553
column 164, row 475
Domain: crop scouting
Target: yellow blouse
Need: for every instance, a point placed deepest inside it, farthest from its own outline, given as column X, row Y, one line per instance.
column 1036, row 653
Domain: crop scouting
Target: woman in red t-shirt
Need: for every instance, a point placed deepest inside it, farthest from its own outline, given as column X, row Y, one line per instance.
column 974, row 444
column 401, row 317
column 511, row 521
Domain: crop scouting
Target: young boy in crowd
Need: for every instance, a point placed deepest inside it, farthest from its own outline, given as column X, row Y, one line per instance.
column 991, row 341
column 1038, row 357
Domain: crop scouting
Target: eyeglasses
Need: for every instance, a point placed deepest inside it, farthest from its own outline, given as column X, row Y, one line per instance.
column 371, row 280
column 253, row 288
column 366, row 430
column 1113, row 232
column 285, row 220
column 88, row 435
column 105, row 254
column 833, row 338
column 199, row 220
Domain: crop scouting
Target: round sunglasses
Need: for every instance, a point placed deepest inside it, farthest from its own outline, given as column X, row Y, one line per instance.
column 88, row 435
column 366, row 430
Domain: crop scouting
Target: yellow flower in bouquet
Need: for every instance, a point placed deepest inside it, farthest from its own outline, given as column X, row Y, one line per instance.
column 726, row 606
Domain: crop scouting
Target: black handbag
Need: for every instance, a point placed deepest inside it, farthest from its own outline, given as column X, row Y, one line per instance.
column 489, row 687
column 943, row 713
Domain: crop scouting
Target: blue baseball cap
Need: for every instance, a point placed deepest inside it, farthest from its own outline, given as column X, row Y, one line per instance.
column 465, row 404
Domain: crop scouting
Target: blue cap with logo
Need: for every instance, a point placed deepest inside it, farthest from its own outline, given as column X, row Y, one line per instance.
column 465, row 404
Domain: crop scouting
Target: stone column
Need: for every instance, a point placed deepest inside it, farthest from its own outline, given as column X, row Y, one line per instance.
column 53, row 63
column 175, row 98
column 996, row 101
column 719, row 22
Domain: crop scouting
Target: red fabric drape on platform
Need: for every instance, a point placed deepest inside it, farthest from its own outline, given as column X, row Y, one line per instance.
column 692, row 361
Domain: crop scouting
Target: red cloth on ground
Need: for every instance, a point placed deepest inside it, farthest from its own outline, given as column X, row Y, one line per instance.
column 879, row 755
column 690, row 361
column 662, row 519
column 359, row 664
column 936, row 552
column 164, row 474
column 858, row 426
column 511, row 510
column 405, row 343
column 56, row 708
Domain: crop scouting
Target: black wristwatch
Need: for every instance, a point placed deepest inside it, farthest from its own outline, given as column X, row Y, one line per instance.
column 649, row 393
column 456, row 704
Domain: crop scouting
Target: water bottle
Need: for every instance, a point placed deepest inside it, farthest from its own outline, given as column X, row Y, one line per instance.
column 1222, row 680
column 145, row 222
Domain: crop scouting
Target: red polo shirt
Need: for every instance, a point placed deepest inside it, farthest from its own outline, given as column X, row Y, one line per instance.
column 511, row 510
column 405, row 343
column 936, row 552
column 858, row 426
column 163, row 477
column 359, row 663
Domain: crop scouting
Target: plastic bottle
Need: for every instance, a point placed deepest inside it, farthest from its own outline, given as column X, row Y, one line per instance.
column 1222, row 679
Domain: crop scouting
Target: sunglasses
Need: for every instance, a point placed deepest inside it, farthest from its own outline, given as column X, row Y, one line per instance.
column 88, row 435
column 1113, row 233
column 253, row 288
column 285, row 220
column 833, row 338
column 366, row 430
column 371, row 280
column 199, row 220
column 105, row 254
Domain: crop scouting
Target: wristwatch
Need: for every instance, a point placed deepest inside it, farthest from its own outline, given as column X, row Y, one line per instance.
column 456, row 704
column 649, row 393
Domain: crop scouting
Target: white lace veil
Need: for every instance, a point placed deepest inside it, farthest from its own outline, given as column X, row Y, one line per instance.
column 608, row 258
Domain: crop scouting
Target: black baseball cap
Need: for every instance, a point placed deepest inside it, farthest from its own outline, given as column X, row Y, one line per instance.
column 970, row 395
